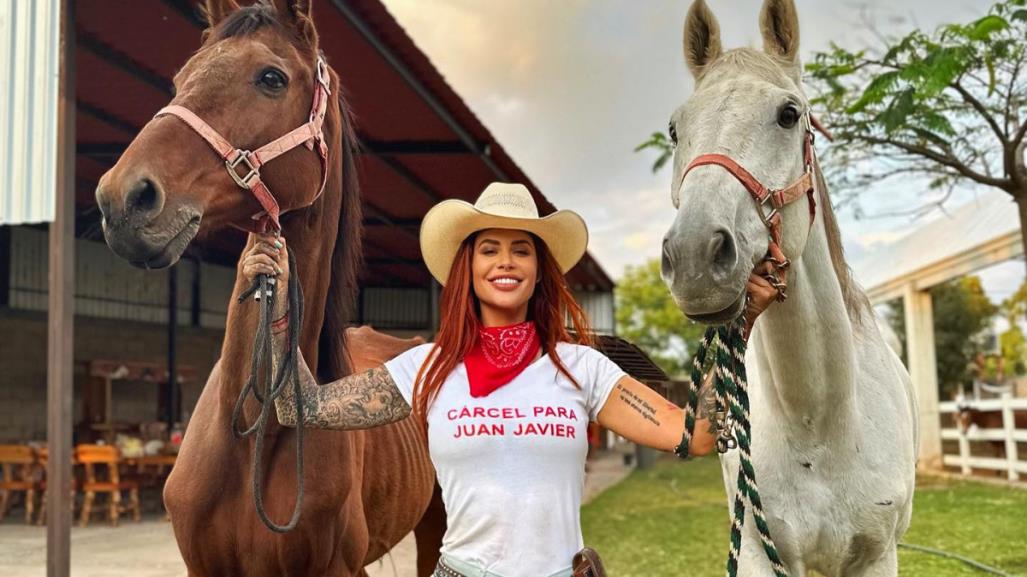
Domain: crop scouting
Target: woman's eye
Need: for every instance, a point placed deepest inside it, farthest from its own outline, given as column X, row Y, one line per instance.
column 788, row 116
column 673, row 132
column 272, row 79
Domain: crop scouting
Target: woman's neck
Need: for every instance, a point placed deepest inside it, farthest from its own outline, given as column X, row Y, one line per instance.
column 497, row 317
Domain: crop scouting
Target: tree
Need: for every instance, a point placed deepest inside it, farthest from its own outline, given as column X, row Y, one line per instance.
column 1012, row 341
column 949, row 106
column 961, row 312
column 648, row 317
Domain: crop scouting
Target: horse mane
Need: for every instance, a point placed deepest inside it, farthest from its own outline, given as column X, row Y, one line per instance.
column 347, row 257
column 347, row 253
column 772, row 69
column 856, row 302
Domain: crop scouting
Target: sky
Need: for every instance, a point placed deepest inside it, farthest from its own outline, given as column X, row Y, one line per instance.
column 570, row 87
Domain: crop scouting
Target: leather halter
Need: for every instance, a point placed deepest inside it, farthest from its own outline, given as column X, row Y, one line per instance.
column 310, row 134
column 805, row 185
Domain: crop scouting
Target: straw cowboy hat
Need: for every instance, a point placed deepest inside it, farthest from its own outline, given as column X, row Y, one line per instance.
column 501, row 205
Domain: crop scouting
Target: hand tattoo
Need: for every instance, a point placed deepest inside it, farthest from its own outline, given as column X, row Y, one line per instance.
column 708, row 405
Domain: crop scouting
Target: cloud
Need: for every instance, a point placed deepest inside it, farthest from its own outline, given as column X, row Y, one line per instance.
column 570, row 87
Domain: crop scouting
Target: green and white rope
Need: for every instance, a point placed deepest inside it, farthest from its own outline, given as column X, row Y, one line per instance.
column 727, row 343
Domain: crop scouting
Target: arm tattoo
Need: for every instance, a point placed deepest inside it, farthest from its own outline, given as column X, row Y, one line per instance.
column 638, row 404
column 359, row 401
column 708, row 405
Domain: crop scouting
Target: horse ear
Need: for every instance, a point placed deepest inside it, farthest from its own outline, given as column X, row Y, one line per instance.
column 779, row 23
column 702, row 37
column 299, row 15
column 216, row 10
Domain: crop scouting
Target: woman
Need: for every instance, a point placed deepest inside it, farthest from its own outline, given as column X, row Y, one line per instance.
column 509, row 392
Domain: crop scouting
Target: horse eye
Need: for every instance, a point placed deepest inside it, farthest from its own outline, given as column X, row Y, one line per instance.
column 272, row 79
column 788, row 116
column 673, row 132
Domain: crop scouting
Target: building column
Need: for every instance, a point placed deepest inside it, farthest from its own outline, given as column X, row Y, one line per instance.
column 923, row 370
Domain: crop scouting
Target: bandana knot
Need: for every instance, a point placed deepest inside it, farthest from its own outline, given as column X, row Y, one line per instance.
column 500, row 354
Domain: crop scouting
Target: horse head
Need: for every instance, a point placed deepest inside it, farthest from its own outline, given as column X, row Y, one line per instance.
column 749, row 106
column 251, row 81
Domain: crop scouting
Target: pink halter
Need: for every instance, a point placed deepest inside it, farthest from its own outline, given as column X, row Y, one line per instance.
column 310, row 134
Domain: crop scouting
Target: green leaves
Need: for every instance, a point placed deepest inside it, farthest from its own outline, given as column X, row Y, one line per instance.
column 985, row 27
column 900, row 108
column 659, row 142
column 875, row 91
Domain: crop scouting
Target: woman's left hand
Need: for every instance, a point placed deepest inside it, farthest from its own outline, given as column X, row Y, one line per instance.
column 761, row 293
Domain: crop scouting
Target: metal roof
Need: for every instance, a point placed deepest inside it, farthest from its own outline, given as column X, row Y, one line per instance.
column 990, row 219
column 421, row 142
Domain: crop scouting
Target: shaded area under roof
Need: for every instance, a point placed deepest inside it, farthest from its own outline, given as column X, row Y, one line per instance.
column 421, row 141
column 631, row 359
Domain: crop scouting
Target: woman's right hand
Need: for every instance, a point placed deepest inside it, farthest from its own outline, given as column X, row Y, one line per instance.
column 269, row 256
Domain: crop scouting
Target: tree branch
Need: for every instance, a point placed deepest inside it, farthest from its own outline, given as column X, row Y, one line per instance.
column 955, row 164
column 980, row 108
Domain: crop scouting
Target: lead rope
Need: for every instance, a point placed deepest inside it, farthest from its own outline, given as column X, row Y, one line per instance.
column 268, row 388
column 727, row 343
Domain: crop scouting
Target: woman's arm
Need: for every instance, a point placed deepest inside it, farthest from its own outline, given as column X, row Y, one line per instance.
column 640, row 414
column 359, row 401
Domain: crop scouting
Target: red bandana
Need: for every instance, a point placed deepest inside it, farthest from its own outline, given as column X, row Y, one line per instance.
column 499, row 355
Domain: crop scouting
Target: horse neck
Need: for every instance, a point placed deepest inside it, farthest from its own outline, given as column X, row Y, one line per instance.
column 241, row 323
column 805, row 346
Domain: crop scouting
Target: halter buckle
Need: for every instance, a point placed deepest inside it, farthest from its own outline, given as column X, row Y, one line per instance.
column 252, row 172
column 767, row 218
column 323, row 78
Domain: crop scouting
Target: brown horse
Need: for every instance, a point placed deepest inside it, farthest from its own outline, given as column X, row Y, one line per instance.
column 252, row 80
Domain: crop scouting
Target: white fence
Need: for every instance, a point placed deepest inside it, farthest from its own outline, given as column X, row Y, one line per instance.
column 1008, row 436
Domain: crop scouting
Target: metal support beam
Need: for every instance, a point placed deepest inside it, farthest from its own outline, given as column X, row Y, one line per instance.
column 411, row 224
column 109, row 119
column 923, row 370
column 410, row 178
column 5, row 266
column 402, row 147
column 125, row 63
column 60, row 321
column 418, row 87
column 172, row 416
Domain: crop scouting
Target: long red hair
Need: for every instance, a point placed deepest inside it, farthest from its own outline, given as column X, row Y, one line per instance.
column 551, row 306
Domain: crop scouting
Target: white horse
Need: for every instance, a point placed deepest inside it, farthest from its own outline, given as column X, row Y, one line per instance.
column 833, row 410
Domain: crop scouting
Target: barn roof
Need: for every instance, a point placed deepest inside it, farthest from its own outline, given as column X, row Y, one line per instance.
column 421, row 141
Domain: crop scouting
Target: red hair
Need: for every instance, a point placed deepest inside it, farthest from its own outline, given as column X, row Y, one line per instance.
column 551, row 306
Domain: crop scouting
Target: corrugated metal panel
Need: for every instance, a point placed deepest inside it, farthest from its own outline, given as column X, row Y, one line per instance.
column 29, row 71
column 396, row 308
column 108, row 287
column 599, row 308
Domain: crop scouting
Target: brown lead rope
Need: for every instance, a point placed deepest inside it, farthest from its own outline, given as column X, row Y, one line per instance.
column 265, row 390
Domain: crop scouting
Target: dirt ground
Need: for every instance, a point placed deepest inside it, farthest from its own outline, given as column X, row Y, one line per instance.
column 148, row 549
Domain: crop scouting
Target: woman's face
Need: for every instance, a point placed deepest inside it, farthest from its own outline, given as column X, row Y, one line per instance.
column 504, row 268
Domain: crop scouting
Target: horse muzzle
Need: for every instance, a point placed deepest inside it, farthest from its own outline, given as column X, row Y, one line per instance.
column 704, row 273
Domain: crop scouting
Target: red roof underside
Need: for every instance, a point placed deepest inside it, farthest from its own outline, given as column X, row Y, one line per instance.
column 128, row 52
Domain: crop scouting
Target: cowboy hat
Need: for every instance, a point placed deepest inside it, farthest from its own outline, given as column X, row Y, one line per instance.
column 501, row 205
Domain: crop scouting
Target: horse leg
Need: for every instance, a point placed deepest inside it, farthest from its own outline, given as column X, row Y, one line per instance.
column 428, row 534
column 887, row 565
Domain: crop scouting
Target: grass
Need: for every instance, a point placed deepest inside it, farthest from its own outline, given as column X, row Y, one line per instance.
column 672, row 520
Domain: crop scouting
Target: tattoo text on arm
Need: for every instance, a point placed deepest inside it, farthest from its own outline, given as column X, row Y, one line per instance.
column 638, row 404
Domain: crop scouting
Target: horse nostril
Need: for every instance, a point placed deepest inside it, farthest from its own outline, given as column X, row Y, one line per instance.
column 666, row 262
column 143, row 197
column 721, row 250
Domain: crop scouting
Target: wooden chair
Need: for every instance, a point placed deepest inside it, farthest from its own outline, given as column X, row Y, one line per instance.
column 17, row 465
column 95, row 459
column 44, row 457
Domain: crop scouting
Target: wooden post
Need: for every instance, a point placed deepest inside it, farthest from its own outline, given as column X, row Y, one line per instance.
column 923, row 370
column 1009, row 425
column 964, row 445
column 60, row 336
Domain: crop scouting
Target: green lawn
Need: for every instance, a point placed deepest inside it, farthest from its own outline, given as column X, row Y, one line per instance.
column 672, row 520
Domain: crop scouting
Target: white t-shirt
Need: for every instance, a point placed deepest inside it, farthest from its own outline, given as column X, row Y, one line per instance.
column 512, row 465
